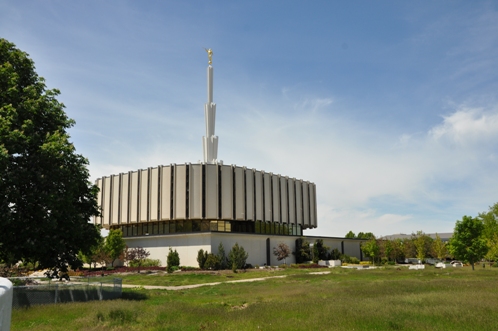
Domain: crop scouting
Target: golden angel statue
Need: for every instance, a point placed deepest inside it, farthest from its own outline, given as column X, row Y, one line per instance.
column 210, row 55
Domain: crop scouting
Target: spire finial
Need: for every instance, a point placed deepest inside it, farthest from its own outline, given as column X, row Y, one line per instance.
column 210, row 55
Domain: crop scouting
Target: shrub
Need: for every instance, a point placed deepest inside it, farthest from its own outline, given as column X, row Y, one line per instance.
column 173, row 260
column 345, row 258
column 186, row 268
column 237, row 257
column 319, row 251
column 335, row 254
column 495, row 265
column 308, row 266
column 222, row 256
column 354, row 260
column 212, row 262
column 145, row 263
column 201, row 258
column 120, row 316
column 75, row 273
column 303, row 251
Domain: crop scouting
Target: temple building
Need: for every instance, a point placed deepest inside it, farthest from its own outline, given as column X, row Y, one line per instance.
column 195, row 206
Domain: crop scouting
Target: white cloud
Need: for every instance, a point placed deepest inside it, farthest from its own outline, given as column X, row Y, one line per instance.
column 467, row 126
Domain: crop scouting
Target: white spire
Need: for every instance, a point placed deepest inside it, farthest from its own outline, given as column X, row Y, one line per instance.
column 210, row 141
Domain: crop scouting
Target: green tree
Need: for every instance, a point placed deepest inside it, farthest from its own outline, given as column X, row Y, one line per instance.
column 237, row 257
column 92, row 256
column 419, row 240
column 409, row 249
column 102, row 257
column 439, row 248
column 47, row 198
column 468, row 243
column 367, row 236
column 490, row 232
column 371, row 249
column 222, row 256
column 173, row 261
column 350, row 235
column 115, row 244
column 387, row 249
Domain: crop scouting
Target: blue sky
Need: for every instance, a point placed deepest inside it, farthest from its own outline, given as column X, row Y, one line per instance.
column 390, row 107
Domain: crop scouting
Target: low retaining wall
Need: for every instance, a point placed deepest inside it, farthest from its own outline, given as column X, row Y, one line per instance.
column 6, row 293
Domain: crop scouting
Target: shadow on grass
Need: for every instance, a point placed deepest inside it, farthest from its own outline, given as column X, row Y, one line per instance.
column 133, row 296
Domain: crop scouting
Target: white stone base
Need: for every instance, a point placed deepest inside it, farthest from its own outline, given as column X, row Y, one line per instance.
column 188, row 245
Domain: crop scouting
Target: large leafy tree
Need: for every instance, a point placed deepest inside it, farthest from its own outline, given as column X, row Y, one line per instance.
column 46, row 199
column 490, row 232
column 468, row 242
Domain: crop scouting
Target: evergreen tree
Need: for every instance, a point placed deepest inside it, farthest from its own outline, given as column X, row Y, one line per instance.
column 303, row 252
column 201, row 258
column 222, row 256
column 237, row 257
column 173, row 261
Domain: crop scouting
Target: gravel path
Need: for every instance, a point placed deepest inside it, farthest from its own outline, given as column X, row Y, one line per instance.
column 184, row 287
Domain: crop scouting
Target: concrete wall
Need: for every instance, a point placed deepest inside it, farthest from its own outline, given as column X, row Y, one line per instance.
column 188, row 245
column 255, row 245
column 6, row 294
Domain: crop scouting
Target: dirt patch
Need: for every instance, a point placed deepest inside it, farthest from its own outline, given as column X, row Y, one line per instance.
column 244, row 306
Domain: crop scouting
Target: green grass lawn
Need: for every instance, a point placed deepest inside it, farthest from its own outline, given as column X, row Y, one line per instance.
column 345, row 299
column 176, row 279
